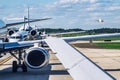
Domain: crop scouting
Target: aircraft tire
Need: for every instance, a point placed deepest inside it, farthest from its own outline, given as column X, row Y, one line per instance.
column 14, row 66
column 24, row 67
column 6, row 40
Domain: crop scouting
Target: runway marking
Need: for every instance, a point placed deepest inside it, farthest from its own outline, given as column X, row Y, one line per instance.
column 5, row 60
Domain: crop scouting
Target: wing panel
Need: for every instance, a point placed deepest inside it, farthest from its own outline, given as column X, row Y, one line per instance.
column 78, row 65
column 64, row 52
column 87, row 37
column 86, row 70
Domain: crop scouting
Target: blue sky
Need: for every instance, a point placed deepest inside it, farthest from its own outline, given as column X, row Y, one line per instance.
column 65, row 13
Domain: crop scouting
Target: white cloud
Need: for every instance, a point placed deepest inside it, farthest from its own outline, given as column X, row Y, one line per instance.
column 90, row 1
column 111, row 8
column 69, row 1
column 77, row 1
column 71, row 12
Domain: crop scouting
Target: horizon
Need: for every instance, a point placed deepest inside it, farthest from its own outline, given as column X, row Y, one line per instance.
column 64, row 13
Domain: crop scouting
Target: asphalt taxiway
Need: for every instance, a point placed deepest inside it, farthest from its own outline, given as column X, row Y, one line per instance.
column 107, row 59
column 54, row 71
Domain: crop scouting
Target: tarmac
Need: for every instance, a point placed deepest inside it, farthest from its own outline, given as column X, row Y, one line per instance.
column 54, row 71
column 107, row 59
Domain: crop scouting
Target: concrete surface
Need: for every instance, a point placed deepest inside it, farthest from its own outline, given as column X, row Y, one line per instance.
column 107, row 59
column 54, row 71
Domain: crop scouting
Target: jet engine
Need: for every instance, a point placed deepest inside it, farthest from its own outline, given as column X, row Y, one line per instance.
column 33, row 32
column 36, row 58
column 10, row 32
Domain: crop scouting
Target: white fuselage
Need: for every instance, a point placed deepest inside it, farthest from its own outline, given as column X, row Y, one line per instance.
column 21, row 34
column 18, row 36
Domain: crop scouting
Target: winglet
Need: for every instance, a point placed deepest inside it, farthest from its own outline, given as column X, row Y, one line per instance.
column 2, row 24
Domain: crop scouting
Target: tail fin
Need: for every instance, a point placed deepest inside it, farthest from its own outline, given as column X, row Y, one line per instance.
column 2, row 24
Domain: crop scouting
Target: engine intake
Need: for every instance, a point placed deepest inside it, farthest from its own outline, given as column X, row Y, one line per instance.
column 10, row 32
column 36, row 57
column 33, row 32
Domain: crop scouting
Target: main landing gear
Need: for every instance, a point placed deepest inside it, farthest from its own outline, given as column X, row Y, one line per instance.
column 15, row 66
column 20, row 63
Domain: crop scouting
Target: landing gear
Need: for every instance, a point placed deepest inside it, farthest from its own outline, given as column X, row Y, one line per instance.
column 24, row 67
column 20, row 63
column 14, row 66
column 6, row 40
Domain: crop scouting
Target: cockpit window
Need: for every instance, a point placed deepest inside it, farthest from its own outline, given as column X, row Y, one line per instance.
column 18, row 37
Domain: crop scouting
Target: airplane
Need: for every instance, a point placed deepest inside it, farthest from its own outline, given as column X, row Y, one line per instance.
column 25, row 32
column 34, row 56
column 100, row 20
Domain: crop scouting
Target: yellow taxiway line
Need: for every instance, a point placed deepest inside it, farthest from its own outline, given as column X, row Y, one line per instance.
column 5, row 60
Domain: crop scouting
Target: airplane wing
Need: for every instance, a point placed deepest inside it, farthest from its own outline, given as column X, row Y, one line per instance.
column 87, row 37
column 18, row 23
column 78, row 65
column 8, row 46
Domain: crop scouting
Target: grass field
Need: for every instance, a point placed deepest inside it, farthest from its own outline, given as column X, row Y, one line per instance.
column 110, row 45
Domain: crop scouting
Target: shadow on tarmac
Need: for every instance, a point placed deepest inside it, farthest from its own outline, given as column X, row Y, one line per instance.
column 32, row 74
column 112, row 69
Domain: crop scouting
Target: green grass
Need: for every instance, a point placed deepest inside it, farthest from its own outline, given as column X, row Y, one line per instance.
column 110, row 45
column 107, row 45
column 102, row 39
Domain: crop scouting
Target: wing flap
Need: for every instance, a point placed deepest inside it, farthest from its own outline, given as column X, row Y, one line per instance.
column 78, row 65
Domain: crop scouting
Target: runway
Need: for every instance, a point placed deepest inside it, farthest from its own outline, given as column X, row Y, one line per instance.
column 108, row 59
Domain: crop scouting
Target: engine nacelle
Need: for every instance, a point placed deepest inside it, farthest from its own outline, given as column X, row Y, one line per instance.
column 10, row 32
column 36, row 58
column 33, row 32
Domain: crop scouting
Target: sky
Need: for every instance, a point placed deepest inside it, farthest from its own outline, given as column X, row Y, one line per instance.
column 65, row 14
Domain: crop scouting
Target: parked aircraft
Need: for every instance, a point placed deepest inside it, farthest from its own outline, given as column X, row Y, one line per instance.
column 24, row 32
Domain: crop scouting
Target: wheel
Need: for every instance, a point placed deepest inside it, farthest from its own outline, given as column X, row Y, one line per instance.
column 24, row 67
column 6, row 40
column 14, row 66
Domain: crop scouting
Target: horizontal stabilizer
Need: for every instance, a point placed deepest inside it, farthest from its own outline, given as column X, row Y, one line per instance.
column 18, row 23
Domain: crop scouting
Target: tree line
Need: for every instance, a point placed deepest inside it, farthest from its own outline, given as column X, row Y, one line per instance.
column 92, row 31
